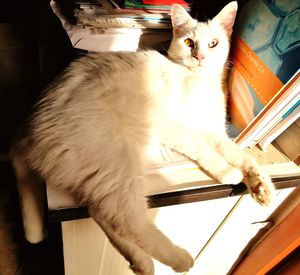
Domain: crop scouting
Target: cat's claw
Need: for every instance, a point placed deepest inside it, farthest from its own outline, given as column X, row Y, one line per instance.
column 183, row 261
column 260, row 188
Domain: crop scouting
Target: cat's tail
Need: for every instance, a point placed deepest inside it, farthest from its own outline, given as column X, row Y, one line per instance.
column 32, row 196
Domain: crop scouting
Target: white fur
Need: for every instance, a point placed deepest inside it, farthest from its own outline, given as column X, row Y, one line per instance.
column 89, row 133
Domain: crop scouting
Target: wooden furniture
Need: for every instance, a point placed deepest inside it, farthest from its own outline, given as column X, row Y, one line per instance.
column 203, row 216
column 282, row 242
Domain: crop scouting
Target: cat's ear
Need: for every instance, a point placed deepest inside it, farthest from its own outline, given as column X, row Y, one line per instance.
column 181, row 20
column 226, row 16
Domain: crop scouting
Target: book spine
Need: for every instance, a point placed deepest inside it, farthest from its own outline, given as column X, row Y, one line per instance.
column 271, row 114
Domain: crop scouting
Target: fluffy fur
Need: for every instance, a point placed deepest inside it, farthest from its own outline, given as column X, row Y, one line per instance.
column 88, row 134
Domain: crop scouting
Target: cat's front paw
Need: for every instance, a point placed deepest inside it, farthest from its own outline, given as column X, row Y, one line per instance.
column 183, row 261
column 260, row 188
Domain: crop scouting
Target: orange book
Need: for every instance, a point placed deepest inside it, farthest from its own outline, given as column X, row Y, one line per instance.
column 266, row 59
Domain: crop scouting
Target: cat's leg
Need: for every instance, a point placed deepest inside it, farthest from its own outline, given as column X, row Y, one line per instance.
column 140, row 262
column 127, row 225
column 210, row 160
column 259, row 184
column 32, row 195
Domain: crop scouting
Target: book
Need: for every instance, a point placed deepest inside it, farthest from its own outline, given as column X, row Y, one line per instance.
column 273, row 112
column 163, row 6
column 285, row 121
column 119, row 38
column 135, row 21
column 132, row 14
column 264, row 80
column 289, row 142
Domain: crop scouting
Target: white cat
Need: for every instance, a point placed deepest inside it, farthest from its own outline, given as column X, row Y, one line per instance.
column 87, row 134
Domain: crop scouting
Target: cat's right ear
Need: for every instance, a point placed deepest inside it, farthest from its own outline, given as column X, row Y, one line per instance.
column 181, row 20
column 226, row 16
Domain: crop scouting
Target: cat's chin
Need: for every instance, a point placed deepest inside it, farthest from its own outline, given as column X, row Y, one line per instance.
column 192, row 63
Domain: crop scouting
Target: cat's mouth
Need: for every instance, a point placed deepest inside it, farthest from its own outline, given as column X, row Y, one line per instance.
column 198, row 60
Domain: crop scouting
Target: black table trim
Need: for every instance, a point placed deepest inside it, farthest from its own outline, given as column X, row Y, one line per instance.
column 179, row 197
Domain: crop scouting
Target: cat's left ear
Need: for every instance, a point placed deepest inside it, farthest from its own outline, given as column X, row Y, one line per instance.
column 181, row 20
column 226, row 16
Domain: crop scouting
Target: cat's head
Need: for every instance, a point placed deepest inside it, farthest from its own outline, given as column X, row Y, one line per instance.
column 202, row 44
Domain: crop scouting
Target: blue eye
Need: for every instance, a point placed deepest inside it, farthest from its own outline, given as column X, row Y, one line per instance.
column 213, row 43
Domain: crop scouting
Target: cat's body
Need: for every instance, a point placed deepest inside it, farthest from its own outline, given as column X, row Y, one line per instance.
column 88, row 134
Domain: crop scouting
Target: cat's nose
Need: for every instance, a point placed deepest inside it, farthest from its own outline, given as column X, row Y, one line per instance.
column 199, row 56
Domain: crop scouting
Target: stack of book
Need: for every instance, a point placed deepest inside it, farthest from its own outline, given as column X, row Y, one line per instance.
column 112, row 25
column 264, row 85
column 132, row 14
column 153, row 6
column 134, row 21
